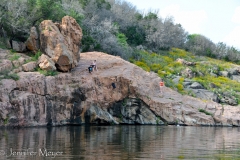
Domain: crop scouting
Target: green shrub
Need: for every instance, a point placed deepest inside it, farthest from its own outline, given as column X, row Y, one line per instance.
column 180, row 87
column 191, row 93
column 5, row 75
column 142, row 65
column 155, row 67
column 13, row 76
column 158, row 120
column 204, row 111
column 47, row 73
column 34, row 57
column 181, row 80
column 6, row 120
column 3, row 43
column 14, row 57
column 12, row 51
column 169, row 83
column 122, row 39
column 161, row 73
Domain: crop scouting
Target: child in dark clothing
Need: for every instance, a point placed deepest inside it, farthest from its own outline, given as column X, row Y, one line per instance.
column 90, row 69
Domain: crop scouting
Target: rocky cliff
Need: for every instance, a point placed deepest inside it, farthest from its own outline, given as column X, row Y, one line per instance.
column 80, row 97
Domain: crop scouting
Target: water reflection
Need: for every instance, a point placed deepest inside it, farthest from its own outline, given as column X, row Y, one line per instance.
column 120, row 142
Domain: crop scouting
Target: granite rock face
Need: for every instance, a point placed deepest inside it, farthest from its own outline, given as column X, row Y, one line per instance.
column 80, row 97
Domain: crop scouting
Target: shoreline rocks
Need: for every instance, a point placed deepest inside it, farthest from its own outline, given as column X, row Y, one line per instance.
column 79, row 98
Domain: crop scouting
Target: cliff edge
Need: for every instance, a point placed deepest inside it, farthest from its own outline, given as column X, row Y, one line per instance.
column 79, row 97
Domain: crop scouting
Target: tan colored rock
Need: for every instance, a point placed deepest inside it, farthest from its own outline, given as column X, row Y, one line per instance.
column 184, row 62
column 63, row 58
column 15, row 63
column 62, row 47
column 32, row 42
column 45, row 63
column 72, row 33
column 187, row 72
column 29, row 67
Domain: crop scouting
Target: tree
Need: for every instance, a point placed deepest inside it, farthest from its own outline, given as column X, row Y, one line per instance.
column 18, row 16
column 200, row 45
column 165, row 34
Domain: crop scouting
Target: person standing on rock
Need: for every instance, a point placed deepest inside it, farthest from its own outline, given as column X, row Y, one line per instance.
column 161, row 85
column 94, row 65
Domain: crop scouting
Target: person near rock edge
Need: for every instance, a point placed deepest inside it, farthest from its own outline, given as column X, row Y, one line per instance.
column 94, row 65
column 90, row 69
column 113, row 84
column 161, row 85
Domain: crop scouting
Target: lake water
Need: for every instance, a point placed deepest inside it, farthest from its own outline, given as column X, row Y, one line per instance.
column 120, row 143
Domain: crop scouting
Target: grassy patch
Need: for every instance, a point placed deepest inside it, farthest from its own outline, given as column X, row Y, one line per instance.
column 47, row 73
column 6, row 121
column 180, row 157
column 12, row 51
column 6, row 75
column 204, row 111
column 158, row 120
column 14, row 57
column 34, row 57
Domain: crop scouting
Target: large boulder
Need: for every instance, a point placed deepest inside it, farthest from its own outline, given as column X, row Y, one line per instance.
column 196, row 85
column 61, row 44
column 32, row 42
column 72, row 33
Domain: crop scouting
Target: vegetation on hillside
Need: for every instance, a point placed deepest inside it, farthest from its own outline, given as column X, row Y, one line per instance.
column 112, row 26
column 206, row 71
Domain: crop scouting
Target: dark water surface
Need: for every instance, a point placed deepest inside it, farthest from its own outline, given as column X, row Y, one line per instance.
column 120, row 143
